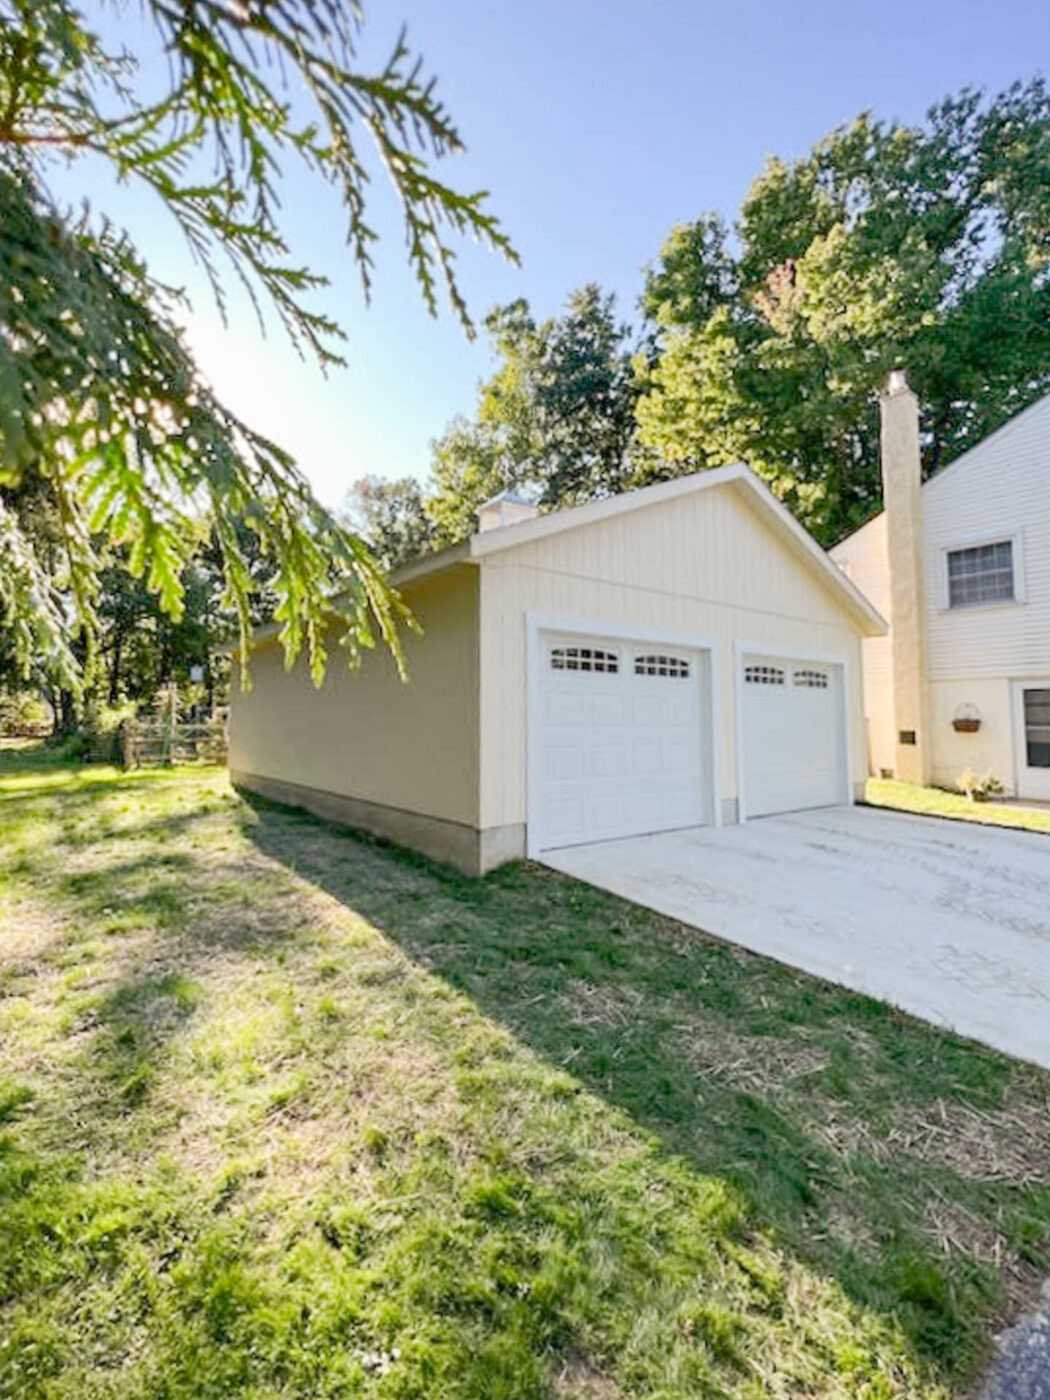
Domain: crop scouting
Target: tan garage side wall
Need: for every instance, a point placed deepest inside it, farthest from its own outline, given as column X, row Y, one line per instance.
column 403, row 757
column 704, row 564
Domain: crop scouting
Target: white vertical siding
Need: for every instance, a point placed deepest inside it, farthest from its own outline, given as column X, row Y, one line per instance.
column 704, row 564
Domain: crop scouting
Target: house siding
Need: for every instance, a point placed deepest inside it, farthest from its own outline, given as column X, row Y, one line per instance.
column 407, row 747
column 999, row 489
column 864, row 559
column 705, row 564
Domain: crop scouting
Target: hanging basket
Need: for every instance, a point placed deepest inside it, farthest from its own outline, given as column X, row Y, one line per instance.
column 966, row 720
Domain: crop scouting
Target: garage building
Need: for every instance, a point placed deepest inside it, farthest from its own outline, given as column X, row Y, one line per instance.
column 682, row 655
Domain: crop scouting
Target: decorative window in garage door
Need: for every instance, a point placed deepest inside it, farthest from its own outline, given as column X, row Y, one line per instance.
column 815, row 680
column 657, row 664
column 763, row 675
column 584, row 659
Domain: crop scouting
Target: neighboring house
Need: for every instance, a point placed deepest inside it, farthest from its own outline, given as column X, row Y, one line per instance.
column 961, row 568
column 679, row 656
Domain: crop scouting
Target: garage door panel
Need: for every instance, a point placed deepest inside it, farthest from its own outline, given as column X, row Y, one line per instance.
column 621, row 752
column 647, row 760
column 564, row 817
column 607, row 709
column 562, row 707
column 793, row 735
column 608, row 758
column 564, row 762
column 648, row 710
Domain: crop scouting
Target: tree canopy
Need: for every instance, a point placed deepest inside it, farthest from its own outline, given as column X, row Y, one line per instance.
column 391, row 518
column 108, row 433
column 556, row 418
column 921, row 246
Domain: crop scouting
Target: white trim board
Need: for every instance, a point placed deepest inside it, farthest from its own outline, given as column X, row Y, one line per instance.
column 1031, row 783
column 1015, row 538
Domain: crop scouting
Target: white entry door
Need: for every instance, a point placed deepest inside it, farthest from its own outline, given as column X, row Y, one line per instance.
column 620, row 734
column 1032, row 738
column 792, row 735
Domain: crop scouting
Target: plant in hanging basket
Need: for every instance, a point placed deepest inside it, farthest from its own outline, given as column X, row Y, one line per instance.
column 967, row 719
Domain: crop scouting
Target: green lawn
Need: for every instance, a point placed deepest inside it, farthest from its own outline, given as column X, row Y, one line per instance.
column 935, row 802
column 288, row 1113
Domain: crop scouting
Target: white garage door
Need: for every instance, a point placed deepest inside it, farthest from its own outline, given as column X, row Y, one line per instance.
column 620, row 735
column 793, row 741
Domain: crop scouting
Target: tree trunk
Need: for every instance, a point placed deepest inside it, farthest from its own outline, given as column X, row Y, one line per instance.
column 49, row 696
column 67, row 704
column 114, row 669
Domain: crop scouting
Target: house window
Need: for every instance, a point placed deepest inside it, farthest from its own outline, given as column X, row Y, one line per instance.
column 584, row 659
column 982, row 574
column 815, row 680
column 659, row 665
column 1037, row 728
column 763, row 675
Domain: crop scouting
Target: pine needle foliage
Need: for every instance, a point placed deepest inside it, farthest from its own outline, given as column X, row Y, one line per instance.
column 100, row 397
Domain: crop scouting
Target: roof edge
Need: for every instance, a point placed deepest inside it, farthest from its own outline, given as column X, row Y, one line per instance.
column 557, row 521
column 736, row 473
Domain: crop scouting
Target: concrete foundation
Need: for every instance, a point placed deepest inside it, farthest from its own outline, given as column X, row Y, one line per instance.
column 467, row 848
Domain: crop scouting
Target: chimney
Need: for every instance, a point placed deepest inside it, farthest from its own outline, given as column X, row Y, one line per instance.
column 505, row 509
column 902, row 499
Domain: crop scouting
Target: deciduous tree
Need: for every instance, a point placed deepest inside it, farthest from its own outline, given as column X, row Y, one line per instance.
column 391, row 518
column 556, row 419
column 923, row 246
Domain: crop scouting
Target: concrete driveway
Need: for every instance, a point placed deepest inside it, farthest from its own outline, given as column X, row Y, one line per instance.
column 947, row 920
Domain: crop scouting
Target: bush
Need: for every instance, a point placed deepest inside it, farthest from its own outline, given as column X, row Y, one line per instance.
column 100, row 729
column 23, row 713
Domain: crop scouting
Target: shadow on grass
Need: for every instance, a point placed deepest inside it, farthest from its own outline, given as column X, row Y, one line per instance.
column 757, row 1086
column 789, row 1089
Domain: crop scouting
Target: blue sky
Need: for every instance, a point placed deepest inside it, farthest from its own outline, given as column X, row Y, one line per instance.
column 596, row 125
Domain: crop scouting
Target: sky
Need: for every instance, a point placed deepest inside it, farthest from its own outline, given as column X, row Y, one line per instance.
column 596, row 125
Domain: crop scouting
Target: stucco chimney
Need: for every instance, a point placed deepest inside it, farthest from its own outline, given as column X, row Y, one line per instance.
column 505, row 509
column 902, row 498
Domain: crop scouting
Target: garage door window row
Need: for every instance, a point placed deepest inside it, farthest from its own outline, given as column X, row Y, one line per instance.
column 763, row 675
column 598, row 659
column 675, row 667
column 584, row 659
column 815, row 680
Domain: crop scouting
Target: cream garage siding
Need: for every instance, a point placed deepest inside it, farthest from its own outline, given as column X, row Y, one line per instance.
column 793, row 734
column 619, row 737
column 705, row 566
